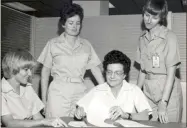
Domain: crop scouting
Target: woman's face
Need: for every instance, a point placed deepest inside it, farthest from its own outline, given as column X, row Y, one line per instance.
column 115, row 75
column 151, row 21
column 23, row 76
column 72, row 26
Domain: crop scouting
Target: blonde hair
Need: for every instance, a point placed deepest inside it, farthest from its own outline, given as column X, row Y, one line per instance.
column 13, row 61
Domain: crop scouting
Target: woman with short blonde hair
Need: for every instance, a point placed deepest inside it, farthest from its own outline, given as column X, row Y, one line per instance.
column 20, row 104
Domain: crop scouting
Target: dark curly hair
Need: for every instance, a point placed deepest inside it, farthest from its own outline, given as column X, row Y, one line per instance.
column 117, row 57
column 70, row 10
column 157, row 7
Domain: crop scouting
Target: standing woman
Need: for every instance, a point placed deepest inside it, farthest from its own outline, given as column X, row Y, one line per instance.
column 158, row 55
column 66, row 58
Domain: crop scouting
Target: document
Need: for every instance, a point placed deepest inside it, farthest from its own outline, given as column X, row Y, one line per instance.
column 77, row 124
column 97, row 113
column 130, row 123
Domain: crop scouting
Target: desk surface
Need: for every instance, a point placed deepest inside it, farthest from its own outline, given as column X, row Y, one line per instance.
column 150, row 123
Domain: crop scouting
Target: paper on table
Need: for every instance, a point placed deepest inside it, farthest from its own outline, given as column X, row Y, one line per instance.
column 97, row 113
column 130, row 123
column 77, row 124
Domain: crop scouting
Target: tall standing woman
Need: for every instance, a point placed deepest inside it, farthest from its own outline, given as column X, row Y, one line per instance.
column 158, row 55
column 66, row 58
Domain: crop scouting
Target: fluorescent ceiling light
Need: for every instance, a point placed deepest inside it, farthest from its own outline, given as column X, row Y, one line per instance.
column 111, row 5
column 19, row 6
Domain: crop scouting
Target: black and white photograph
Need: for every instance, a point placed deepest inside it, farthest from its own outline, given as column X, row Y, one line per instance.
column 93, row 63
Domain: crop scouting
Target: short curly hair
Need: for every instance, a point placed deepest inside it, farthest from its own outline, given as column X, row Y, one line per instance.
column 157, row 7
column 117, row 57
column 70, row 10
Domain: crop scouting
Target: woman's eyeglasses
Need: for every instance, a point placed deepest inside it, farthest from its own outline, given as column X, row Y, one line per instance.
column 116, row 73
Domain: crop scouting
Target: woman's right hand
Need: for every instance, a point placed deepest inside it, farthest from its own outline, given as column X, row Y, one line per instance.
column 80, row 113
column 162, row 112
column 55, row 122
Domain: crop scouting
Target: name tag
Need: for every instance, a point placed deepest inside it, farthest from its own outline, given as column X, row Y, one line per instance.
column 155, row 61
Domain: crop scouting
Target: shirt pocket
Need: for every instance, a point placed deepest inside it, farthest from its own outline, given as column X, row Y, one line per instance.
column 144, row 59
column 160, row 52
column 81, row 60
column 62, row 61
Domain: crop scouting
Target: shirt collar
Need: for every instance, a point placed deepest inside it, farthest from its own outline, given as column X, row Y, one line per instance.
column 63, row 40
column 6, row 87
column 160, row 33
column 125, row 87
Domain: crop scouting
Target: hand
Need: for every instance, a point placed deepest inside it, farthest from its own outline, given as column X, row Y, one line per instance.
column 162, row 114
column 43, row 112
column 79, row 113
column 55, row 122
column 116, row 112
column 44, row 109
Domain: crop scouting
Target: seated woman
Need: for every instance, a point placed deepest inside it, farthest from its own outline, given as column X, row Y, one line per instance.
column 116, row 98
column 20, row 104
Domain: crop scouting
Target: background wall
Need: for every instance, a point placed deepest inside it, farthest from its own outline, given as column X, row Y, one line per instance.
column 15, row 30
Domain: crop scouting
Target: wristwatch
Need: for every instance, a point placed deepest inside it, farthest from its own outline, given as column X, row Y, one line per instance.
column 129, row 116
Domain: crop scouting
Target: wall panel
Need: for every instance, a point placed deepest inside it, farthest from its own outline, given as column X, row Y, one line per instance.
column 15, row 30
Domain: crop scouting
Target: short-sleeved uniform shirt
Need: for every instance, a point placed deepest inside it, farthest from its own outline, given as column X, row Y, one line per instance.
column 100, row 99
column 164, row 45
column 65, row 60
column 168, row 52
column 20, row 106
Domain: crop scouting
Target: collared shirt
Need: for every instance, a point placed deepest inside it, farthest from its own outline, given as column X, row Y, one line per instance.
column 100, row 99
column 164, row 44
column 22, row 105
column 65, row 60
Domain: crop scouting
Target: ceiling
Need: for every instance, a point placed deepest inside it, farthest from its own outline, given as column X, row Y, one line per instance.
column 51, row 8
column 135, row 6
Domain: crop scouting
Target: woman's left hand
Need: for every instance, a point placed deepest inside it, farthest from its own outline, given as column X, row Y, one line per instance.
column 116, row 112
column 162, row 112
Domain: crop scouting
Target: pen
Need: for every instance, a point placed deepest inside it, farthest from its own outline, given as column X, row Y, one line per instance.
column 85, row 119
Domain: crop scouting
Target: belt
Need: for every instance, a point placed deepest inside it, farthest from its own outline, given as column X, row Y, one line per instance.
column 70, row 79
column 153, row 76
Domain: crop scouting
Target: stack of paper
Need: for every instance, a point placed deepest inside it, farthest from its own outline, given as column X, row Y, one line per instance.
column 77, row 124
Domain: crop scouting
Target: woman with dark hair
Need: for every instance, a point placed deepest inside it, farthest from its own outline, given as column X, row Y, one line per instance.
column 116, row 98
column 158, row 55
column 66, row 58
column 20, row 104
